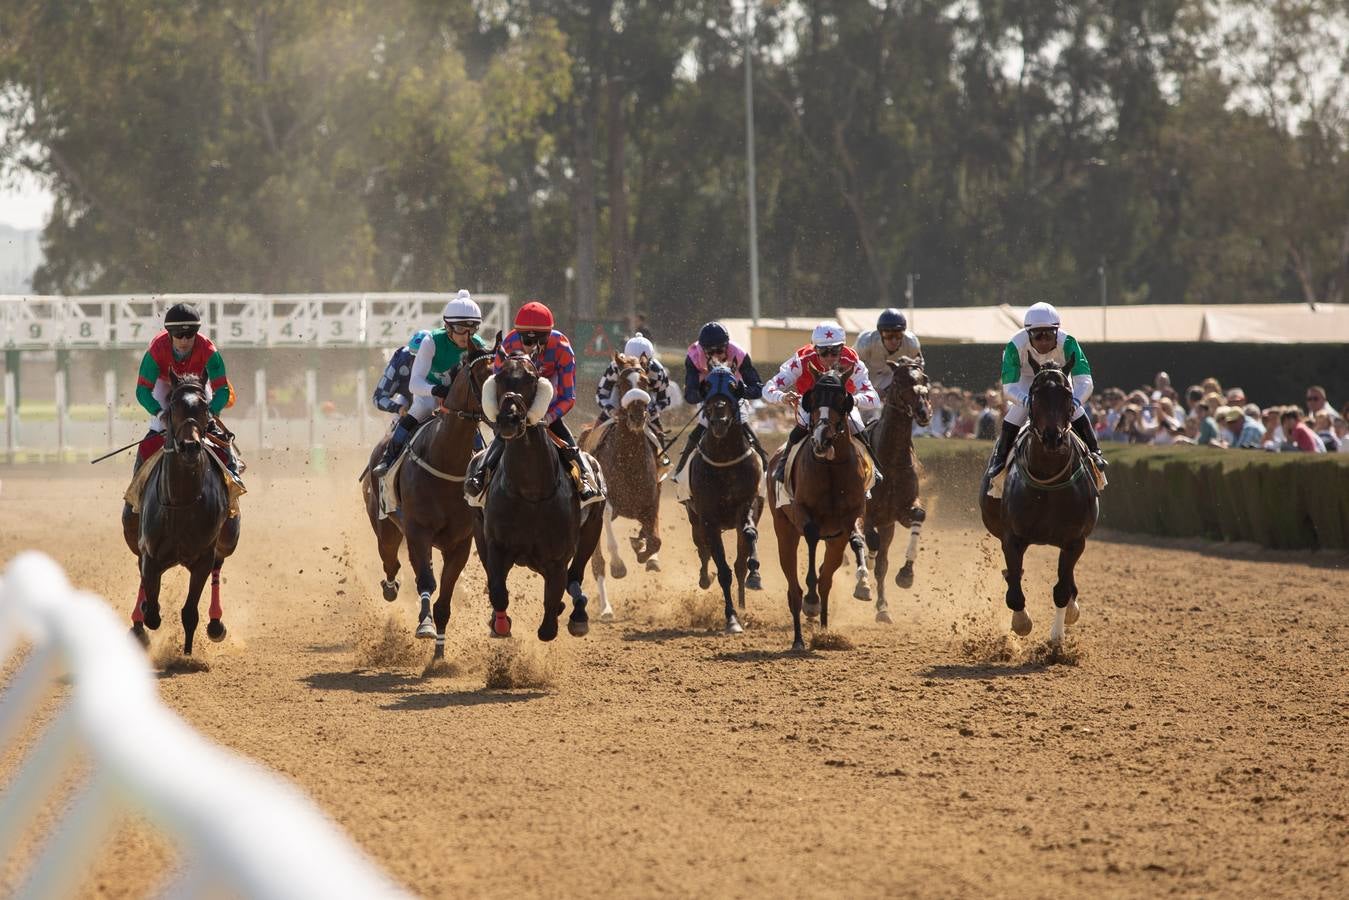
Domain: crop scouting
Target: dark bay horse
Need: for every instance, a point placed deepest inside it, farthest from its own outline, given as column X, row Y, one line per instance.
column 724, row 478
column 1049, row 497
column 184, row 517
column 432, row 512
column 632, row 477
column 828, row 499
column 531, row 512
column 895, row 498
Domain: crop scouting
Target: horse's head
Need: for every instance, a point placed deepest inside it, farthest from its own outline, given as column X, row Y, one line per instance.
column 187, row 413
column 1051, row 406
column 516, row 397
column 721, row 406
column 829, row 404
column 466, row 383
column 908, row 391
column 635, row 385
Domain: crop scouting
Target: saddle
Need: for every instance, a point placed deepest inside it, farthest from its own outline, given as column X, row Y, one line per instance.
column 480, row 501
column 135, row 492
column 859, row 448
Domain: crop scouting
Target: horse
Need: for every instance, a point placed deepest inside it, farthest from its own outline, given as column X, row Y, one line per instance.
column 828, row 499
column 627, row 456
column 432, row 511
column 724, row 477
column 895, row 498
column 184, row 517
column 1049, row 497
column 531, row 513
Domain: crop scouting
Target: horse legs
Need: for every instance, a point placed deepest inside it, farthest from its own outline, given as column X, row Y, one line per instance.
column 616, row 566
column 587, row 545
column 746, row 561
column 138, row 617
column 788, row 540
column 1013, row 551
column 200, row 571
column 833, row 558
column 863, row 589
column 904, row 577
column 419, row 555
column 390, row 540
column 554, row 583
column 750, row 532
column 712, row 536
column 650, row 535
column 452, row 565
column 215, row 628
column 812, row 600
column 878, row 549
column 498, row 566
column 151, row 573
column 1065, row 590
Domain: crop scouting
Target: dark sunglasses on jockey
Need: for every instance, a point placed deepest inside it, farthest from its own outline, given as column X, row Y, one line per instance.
column 462, row 327
column 1041, row 333
column 717, row 351
column 532, row 338
column 182, row 331
column 831, row 350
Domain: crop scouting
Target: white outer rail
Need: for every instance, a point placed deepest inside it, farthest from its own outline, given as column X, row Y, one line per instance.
column 239, row 827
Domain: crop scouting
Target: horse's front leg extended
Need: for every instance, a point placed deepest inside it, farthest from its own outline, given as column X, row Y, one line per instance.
column 833, row 558
column 498, row 566
column 1013, row 552
column 749, row 534
column 200, row 571
column 904, row 577
column 788, row 540
column 616, row 565
column 712, row 537
column 554, row 585
column 878, row 546
column 863, row 589
column 152, row 572
column 419, row 555
column 215, row 626
column 452, row 566
column 812, row 600
column 1065, row 590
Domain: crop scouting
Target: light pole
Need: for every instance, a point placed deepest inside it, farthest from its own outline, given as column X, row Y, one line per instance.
column 1100, row 273
column 908, row 294
column 749, row 159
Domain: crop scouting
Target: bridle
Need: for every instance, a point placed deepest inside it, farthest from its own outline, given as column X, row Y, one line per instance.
column 514, row 401
column 172, row 441
column 916, row 388
column 1047, row 380
column 475, row 389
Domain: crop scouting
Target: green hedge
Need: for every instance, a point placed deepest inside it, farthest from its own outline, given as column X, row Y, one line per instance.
column 1278, row 500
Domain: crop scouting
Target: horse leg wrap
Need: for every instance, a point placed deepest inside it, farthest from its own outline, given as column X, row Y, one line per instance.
column 914, row 532
column 215, row 594
column 138, row 611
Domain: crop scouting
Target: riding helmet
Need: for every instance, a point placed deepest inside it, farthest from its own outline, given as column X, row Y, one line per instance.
column 462, row 309
column 639, row 346
column 828, row 334
column 891, row 320
column 534, row 316
column 181, row 314
column 713, row 335
column 1042, row 315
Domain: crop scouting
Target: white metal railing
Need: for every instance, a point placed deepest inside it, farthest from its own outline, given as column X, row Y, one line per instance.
column 239, row 827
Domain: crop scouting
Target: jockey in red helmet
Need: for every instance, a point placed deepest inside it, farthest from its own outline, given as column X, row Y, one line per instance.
column 550, row 351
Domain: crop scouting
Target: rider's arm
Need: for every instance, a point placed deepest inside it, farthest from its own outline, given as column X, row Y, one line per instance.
column 1012, row 387
column 564, row 398
column 387, row 397
column 604, row 393
column 863, row 394
column 419, row 382
column 660, row 386
column 782, row 382
column 145, row 385
column 911, row 345
column 693, row 382
column 1078, row 369
column 751, row 382
column 220, row 385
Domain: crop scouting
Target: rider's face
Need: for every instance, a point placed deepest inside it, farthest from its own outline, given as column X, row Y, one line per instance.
column 533, row 341
column 892, row 338
column 183, row 339
column 461, row 334
column 1044, row 339
column 717, row 354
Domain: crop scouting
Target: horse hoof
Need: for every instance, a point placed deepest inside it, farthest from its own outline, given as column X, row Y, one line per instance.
column 427, row 629
column 548, row 629
column 812, row 610
column 141, row 637
column 1021, row 622
column 215, row 630
column 733, row 626
column 578, row 627
column 862, row 592
column 798, row 646
column 499, row 625
column 753, row 581
column 904, row 577
column 1072, row 613
column 653, row 565
column 617, row 569
column 152, row 619
column 704, row 581
column 390, row 589
column 884, row 617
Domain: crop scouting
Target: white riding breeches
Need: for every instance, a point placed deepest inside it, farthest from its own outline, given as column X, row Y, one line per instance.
column 422, row 408
column 1016, row 414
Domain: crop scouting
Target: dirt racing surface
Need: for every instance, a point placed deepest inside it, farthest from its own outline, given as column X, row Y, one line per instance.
column 1191, row 738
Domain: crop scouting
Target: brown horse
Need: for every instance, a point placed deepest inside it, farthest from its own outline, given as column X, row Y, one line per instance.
column 828, row 498
column 431, row 498
column 532, row 513
column 184, row 517
column 895, row 498
column 1049, row 497
column 627, row 457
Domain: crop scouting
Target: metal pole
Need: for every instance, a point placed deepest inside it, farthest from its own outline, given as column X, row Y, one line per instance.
column 11, row 413
column 61, row 402
column 1100, row 272
column 362, row 392
column 311, row 400
column 260, row 392
column 908, row 296
column 110, row 398
column 749, row 158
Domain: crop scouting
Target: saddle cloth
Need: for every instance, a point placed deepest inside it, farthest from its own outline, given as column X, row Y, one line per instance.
column 135, row 492
column 785, row 489
column 479, row 501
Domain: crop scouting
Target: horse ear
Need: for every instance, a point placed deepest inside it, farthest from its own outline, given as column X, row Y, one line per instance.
column 173, row 378
column 808, row 401
column 894, row 366
column 618, row 359
column 496, row 345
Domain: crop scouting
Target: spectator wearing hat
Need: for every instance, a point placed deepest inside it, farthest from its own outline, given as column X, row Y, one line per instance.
column 1299, row 434
column 1242, row 431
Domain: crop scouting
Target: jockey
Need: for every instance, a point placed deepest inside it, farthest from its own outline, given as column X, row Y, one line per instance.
column 889, row 341
column 1041, row 342
column 827, row 349
column 429, row 381
column 657, row 377
column 182, row 350
column 393, row 393
column 714, row 347
column 551, row 353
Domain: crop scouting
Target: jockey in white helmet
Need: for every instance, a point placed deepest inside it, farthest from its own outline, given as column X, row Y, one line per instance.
column 1041, row 341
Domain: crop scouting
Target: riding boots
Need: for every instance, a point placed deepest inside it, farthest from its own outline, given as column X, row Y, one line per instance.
column 572, row 457
column 475, row 482
column 401, row 434
column 1082, row 427
column 1002, row 448
column 694, row 436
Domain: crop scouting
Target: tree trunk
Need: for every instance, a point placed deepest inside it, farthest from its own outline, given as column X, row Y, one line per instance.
column 622, row 281
column 584, row 204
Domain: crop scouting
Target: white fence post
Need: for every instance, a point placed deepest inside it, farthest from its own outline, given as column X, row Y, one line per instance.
column 110, row 398
column 311, row 402
column 260, row 392
column 62, row 402
column 362, row 398
column 11, row 415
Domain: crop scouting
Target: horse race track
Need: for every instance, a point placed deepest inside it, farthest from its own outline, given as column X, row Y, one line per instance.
column 1194, row 740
